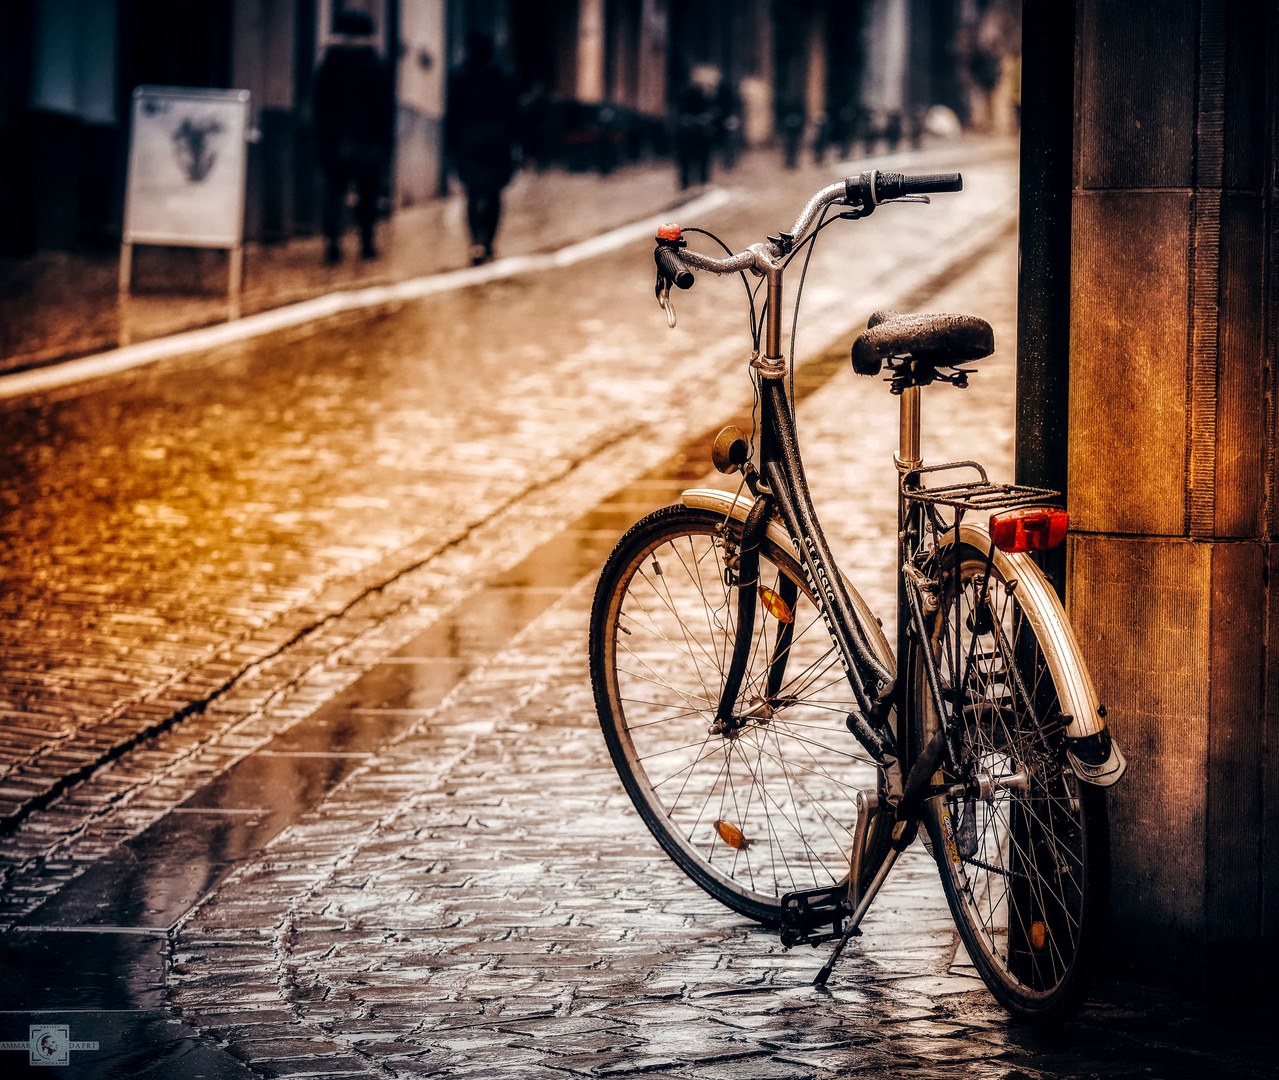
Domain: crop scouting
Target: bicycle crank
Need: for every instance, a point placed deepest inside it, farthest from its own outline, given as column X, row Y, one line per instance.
column 876, row 841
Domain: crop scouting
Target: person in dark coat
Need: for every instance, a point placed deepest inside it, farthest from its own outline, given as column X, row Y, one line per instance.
column 792, row 122
column 481, row 136
column 728, row 123
column 694, row 134
column 353, row 130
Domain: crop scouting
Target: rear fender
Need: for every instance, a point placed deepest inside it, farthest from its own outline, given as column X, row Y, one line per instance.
column 1094, row 755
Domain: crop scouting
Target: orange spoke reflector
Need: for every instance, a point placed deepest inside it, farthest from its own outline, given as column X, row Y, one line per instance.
column 732, row 835
column 777, row 607
column 1032, row 528
column 1038, row 934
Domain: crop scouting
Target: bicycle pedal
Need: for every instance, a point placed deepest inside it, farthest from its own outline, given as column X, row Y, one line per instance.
column 814, row 916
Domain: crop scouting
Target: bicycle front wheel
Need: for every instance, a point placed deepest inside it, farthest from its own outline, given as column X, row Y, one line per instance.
column 1023, row 853
column 768, row 807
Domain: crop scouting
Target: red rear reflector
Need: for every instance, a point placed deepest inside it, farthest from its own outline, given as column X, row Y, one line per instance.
column 670, row 231
column 1032, row 528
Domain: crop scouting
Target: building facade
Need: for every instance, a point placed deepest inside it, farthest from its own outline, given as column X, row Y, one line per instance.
column 599, row 79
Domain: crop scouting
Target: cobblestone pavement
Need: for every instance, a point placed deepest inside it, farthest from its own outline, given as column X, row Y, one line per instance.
column 191, row 538
column 480, row 899
column 423, row 863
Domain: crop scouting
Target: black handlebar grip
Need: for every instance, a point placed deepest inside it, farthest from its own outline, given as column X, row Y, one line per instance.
column 672, row 267
column 890, row 185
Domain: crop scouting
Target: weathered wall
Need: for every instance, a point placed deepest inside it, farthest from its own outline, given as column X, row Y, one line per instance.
column 1170, row 466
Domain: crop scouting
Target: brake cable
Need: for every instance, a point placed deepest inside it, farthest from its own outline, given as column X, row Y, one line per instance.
column 756, row 325
column 810, row 243
column 750, row 296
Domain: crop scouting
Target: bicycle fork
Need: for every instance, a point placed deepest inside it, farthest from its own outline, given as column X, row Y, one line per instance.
column 753, row 529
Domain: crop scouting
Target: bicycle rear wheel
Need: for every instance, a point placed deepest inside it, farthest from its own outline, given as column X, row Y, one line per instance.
column 769, row 807
column 1023, row 854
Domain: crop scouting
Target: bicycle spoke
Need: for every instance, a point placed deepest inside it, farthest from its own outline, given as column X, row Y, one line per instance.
column 823, row 816
column 686, row 659
column 778, row 776
column 686, row 714
column 1022, row 874
column 665, row 598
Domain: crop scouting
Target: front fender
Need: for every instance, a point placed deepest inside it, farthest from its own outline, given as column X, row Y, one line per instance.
column 738, row 506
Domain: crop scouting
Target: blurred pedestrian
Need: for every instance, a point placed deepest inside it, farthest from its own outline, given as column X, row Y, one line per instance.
column 823, row 138
column 481, row 136
column 353, row 129
column 844, row 128
column 728, row 123
column 915, row 126
column 792, row 125
column 694, row 133
column 537, row 126
column 893, row 130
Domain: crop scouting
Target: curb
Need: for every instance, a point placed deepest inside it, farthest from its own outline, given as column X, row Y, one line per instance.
column 115, row 361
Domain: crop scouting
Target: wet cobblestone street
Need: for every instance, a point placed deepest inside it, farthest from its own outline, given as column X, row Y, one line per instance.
column 481, row 900
column 309, row 617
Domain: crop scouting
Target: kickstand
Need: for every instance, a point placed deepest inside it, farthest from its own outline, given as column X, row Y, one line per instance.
column 855, row 919
column 829, row 966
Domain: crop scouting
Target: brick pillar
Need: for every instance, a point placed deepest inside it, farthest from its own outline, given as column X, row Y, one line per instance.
column 1171, row 469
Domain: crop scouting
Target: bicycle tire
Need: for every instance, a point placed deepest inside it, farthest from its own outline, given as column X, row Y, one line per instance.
column 1025, row 869
column 662, row 627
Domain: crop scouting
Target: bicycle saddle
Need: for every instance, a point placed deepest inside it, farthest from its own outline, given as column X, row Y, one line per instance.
column 940, row 340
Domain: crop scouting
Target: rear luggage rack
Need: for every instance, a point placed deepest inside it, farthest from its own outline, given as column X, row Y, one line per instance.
column 974, row 495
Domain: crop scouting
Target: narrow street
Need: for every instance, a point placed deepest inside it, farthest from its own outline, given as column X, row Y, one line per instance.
column 300, row 767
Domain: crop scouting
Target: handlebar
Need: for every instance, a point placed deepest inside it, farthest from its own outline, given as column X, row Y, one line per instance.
column 672, row 267
column 860, row 193
column 880, row 187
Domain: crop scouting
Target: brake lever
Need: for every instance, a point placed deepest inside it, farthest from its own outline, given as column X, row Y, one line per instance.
column 906, row 198
column 666, row 304
column 662, row 290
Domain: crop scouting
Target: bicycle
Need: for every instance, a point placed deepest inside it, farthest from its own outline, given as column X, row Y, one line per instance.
column 781, row 752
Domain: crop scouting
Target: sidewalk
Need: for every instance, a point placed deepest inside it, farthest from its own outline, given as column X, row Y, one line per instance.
column 58, row 305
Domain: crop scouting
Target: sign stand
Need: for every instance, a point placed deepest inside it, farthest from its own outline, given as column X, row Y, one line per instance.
column 236, row 276
column 124, row 335
column 186, row 176
column 236, row 262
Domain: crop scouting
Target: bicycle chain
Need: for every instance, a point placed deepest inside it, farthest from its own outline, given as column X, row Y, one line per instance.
column 994, row 869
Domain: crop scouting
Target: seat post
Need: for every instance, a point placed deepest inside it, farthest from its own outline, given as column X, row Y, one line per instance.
column 908, row 451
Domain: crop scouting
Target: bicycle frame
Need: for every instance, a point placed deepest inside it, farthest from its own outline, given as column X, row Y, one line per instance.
column 780, row 482
column 972, row 730
column 784, row 485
